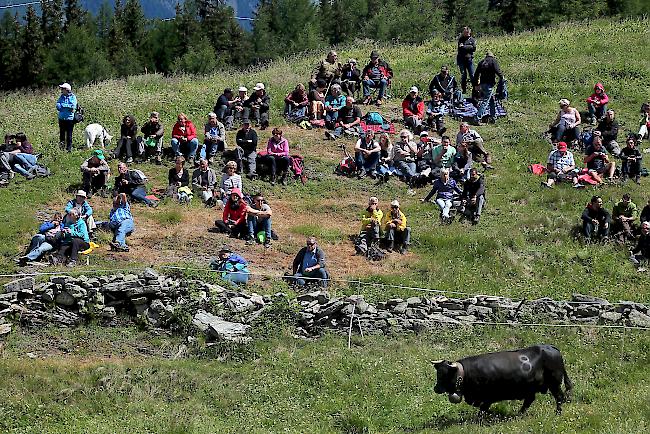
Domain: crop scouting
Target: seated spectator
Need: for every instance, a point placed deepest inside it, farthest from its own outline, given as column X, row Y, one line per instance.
column 309, row 266
column 376, row 75
column 631, row 161
column 17, row 156
column 446, row 86
column 25, row 164
column 246, row 153
column 484, row 79
column 203, row 183
column 74, row 240
column 120, row 222
column 597, row 103
column 237, row 109
column 317, row 101
column 597, row 161
column 442, row 155
column 233, row 220
column 366, row 155
column 413, row 110
column 224, row 106
column 475, row 144
column 595, row 220
column 152, row 135
column 259, row 220
column 461, row 163
column 398, row 235
column 296, row 103
column 473, row 196
column 328, row 70
column 444, row 189
column 641, row 252
column 84, row 209
column 184, row 140
column 95, row 173
column 229, row 181
column 386, row 152
column 131, row 183
column 370, row 227
column 128, row 144
column 349, row 121
column 257, row 106
column 277, row 156
column 23, row 146
column 179, row 182
column 644, row 122
column 215, row 138
column 405, row 152
column 645, row 213
column 47, row 239
column 561, row 167
column 608, row 127
column 334, row 102
column 423, row 158
column 565, row 125
column 350, row 77
column 233, row 267
column 624, row 214
column 436, row 110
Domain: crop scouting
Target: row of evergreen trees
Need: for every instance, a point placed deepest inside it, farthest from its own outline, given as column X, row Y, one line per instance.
column 65, row 42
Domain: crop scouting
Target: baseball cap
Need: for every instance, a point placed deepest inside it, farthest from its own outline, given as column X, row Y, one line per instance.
column 99, row 154
column 65, row 86
column 561, row 146
column 259, row 86
column 243, row 89
column 395, row 203
column 413, row 89
column 81, row 193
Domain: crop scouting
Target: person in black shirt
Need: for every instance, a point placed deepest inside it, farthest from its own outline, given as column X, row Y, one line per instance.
column 178, row 177
column 447, row 86
column 153, row 132
column 642, row 250
column 246, row 152
column 473, row 196
column 349, row 121
column 465, row 56
column 350, row 77
column 598, row 162
column 257, row 106
column 223, row 107
column 595, row 219
column 608, row 127
column 485, row 78
column 128, row 139
column 631, row 161
column 131, row 184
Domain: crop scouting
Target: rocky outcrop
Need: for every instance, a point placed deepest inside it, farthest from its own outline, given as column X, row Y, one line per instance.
column 221, row 313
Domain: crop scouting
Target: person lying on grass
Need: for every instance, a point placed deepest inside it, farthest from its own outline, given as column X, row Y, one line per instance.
column 47, row 239
column 74, row 240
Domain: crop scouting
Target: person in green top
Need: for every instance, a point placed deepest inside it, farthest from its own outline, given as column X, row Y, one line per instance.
column 370, row 226
column 442, row 156
column 623, row 216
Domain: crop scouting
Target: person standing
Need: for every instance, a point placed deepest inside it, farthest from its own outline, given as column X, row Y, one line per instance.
column 485, row 79
column 465, row 56
column 66, row 105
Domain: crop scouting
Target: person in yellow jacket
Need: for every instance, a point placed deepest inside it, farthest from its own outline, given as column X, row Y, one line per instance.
column 370, row 226
column 397, row 233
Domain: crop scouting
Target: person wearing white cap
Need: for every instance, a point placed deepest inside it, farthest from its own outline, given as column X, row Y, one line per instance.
column 397, row 233
column 85, row 210
column 66, row 106
column 565, row 125
column 237, row 109
column 413, row 110
column 257, row 106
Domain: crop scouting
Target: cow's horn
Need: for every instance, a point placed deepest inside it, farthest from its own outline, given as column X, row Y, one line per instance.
column 454, row 365
column 435, row 362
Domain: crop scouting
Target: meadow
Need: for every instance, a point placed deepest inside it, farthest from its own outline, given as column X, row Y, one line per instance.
column 525, row 246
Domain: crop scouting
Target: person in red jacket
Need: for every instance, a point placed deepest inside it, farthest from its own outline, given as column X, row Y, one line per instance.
column 597, row 103
column 413, row 110
column 234, row 216
column 184, row 140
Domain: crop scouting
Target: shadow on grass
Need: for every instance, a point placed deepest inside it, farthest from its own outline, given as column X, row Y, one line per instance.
column 466, row 417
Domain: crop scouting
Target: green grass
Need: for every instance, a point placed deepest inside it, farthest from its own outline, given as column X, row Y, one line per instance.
column 287, row 385
column 524, row 247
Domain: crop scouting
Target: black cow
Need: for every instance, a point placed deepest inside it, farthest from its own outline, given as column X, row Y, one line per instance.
column 509, row 375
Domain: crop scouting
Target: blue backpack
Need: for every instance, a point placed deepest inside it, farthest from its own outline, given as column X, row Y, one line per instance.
column 374, row 118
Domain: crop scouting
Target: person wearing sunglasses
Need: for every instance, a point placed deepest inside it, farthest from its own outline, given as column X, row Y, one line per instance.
column 309, row 265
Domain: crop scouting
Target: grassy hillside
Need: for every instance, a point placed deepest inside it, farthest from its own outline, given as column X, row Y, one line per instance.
column 524, row 247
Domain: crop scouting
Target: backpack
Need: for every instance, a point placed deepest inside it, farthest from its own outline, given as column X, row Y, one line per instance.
column 586, row 138
column 41, row 171
column 346, row 167
column 374, row 118
column 138, row 177
column 374, row 253
column 78, row 115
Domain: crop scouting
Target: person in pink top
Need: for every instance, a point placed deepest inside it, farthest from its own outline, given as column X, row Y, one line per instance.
column 277, row 156
column 597, row 103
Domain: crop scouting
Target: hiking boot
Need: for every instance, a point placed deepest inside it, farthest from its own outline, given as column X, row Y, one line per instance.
column 267, row 244
column 545, row 185
column 250, row 241
column 329, row 135
column 391, row 246
column 637, row 179
column 273, row 179
column 402, row 250
column 379, row 102
column 283, row 179
column 71, row 264
column 476, row 219
column 129, row 160
column 361, row 175
column 22, row 261
column 153, row 204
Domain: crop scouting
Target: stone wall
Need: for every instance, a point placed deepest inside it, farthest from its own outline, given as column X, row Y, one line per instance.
column 225, row 313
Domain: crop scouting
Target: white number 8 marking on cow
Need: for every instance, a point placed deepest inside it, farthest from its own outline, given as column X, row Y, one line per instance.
column 526, row 367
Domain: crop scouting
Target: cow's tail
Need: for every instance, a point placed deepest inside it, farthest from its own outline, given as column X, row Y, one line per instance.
column 568, row 385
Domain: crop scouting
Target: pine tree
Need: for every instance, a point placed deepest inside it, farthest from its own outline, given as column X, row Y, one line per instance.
column 103, row 22
column 229, row 41
column 32, row 47
column 74, row 14
column 133, row 23
column 10, row 51
column 52, row 21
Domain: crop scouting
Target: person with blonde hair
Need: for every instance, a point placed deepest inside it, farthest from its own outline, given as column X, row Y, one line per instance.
column 444, row 188
column 566, row 122
column 184, row 140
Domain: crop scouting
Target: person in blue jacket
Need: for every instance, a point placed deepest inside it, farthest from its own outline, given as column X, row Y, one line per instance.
column 75, row 239
column 66, row 105
column 80, row 202
column 233, row 267
column 45, row 240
